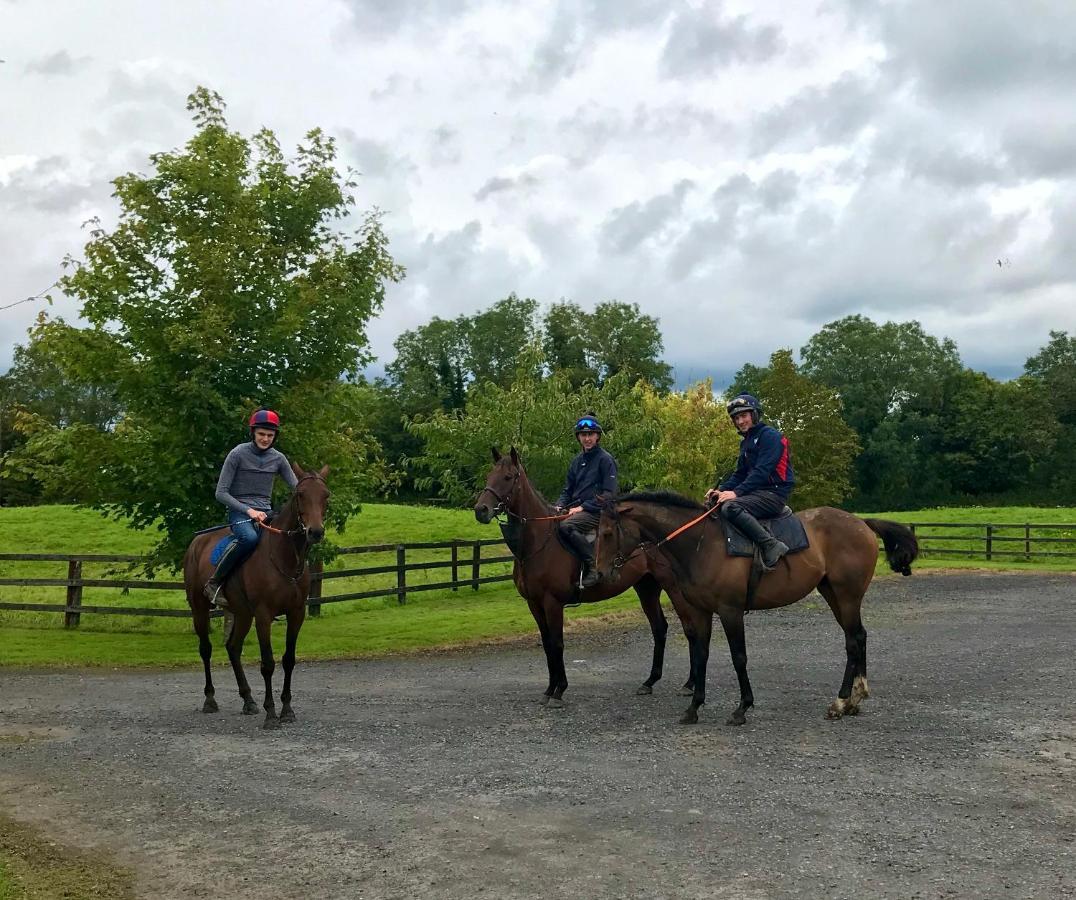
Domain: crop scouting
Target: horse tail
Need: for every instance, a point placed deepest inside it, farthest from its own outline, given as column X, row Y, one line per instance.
column 901, row 547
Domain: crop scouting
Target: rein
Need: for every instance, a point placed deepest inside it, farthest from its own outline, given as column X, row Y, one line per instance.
column 301, row 529
column 620, row 561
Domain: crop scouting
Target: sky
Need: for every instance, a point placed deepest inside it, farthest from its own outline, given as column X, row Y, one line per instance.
column 745, row 172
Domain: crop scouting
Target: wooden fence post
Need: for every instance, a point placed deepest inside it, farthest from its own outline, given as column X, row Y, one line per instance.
column 74, row 593
column 989, row 541
column 315, row 589
column 1027, row 540
column 455, row 567
column 401, row 573
column 476, row 565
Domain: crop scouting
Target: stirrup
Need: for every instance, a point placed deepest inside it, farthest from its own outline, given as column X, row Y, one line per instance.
column 215, row 592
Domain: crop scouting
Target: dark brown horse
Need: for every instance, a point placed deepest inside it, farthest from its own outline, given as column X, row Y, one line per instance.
column 546, row 574
column 839, row 562
column 273, row 581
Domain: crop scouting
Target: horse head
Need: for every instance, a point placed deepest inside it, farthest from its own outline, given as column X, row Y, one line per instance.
column 503, row 479
column 311, row 497
column 618, row 539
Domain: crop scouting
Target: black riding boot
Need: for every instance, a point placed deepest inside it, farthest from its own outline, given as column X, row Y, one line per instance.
column 228, row 561
column 581, row 546
column 770, row 548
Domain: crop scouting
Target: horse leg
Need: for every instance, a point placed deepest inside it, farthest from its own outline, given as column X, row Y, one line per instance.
column 295, row 622
column 554, row 616
column 732, row 623
column 649, row 592
column 543, row 629
column 235, row 632
column 699, row 648
column 205, row 650
column 854, row 688
column 264, row 624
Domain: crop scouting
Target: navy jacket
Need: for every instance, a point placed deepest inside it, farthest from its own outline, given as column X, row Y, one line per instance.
column 591, row 475
column 765, row 463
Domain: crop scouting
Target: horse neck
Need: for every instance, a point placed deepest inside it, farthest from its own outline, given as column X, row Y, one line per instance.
column 287, row 520
column 658, row 521
column 526, row 503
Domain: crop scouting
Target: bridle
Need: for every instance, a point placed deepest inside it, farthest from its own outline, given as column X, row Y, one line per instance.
column 619, row 561
column 502, row 502
column 302, row 528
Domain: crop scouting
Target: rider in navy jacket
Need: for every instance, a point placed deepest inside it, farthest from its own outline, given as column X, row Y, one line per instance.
column 591, row 478
column 763, row 479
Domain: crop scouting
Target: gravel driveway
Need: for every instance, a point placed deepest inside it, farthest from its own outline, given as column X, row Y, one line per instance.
column 440, row 775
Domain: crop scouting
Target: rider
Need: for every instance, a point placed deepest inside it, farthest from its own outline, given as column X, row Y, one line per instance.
column 245, row 486
column 763, row 479
column 591, row 478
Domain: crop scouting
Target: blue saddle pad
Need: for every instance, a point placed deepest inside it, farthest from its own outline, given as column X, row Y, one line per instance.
column 785, row 527
column 220, row 547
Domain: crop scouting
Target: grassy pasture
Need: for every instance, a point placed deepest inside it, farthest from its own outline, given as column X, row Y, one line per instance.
column 349, row 629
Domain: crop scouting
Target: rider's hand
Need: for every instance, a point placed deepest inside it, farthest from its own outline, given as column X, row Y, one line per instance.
column 574, row 510
column 726, row 496
column 256, row 514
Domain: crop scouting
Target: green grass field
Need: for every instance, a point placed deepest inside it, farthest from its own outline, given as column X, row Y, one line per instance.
column 350, row 629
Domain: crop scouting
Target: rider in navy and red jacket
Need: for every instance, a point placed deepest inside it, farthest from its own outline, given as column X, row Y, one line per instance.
column 763, row 479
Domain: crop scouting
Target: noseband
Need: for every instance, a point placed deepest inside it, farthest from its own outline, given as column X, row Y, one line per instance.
column 502, row 502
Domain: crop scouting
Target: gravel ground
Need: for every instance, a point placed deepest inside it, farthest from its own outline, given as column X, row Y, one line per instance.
column 440, row 775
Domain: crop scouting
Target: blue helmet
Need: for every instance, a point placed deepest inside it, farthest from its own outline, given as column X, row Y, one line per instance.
column 745, row 403
column 588, row 424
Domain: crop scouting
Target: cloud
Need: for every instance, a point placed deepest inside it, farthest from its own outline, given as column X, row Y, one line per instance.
column 819, row 115
column 59, row 63
column 699, row 43
column 370, row 18
column 628, row 226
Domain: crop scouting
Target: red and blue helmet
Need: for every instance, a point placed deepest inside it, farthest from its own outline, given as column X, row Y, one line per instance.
column 264, row 418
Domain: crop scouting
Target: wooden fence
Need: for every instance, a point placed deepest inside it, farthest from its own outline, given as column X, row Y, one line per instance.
column 464, row 559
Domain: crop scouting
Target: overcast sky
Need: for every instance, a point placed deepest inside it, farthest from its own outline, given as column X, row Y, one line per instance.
column 746, row 172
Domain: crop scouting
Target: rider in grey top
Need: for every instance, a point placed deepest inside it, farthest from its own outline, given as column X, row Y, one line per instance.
column 245, row 486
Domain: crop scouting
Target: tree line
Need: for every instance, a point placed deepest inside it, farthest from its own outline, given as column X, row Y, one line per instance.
column 231, row 281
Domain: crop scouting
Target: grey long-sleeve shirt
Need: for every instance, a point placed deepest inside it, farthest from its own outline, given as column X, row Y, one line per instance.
column 246, row 480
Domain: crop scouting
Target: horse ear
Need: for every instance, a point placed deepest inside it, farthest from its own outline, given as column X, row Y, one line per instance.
column 298, row 470
column 323, row 471
column 496, row 454
column 515, row 457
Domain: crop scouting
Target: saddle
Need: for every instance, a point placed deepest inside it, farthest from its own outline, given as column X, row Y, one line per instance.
column 785, row 526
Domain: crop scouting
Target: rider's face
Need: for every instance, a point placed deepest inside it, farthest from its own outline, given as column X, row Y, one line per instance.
column 588, row 439
column 263, row 437
column 743, row 421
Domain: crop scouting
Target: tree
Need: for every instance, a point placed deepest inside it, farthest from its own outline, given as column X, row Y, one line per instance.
column 225, row 284
column 1054, row 369
column 748, row 380
column 564, row 343
column 431, row 364
column 499, row 337
column 823, row 446
column 621, row 339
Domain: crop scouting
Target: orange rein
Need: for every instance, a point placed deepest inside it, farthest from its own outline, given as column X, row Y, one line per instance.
column 685, row 527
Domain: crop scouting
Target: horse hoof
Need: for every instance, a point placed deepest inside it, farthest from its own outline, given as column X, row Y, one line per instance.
column 270, row 723
column 852, row 711
column 544, row 701
column 250, row 708
column 686, row 691
column 555, row 703
column 836, row 709
column 689, row 718
column 643, row 690
column 737, row 718
column 287, row 716
column 210, row 706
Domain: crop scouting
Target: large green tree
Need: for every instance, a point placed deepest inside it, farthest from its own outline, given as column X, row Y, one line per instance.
column 227, row 282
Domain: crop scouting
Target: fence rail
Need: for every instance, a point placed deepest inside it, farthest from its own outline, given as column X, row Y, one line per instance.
column 466, row 563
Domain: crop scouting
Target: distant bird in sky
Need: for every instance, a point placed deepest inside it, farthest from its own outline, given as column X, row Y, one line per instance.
column 1003, row 262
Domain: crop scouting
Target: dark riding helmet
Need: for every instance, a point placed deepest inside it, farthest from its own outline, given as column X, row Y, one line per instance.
column 588, row 424
column 264, row 418
column 745, row 403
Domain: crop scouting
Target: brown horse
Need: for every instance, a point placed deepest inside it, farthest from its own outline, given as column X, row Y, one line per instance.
column 839, row 562
column 546, row 575
column 273, row 581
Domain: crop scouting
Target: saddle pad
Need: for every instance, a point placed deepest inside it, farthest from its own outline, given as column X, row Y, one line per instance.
column 220, row 547
column 786, row 527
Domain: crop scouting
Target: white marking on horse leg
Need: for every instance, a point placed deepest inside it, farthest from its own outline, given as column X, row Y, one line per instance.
column 860, row 690
column 836, row 709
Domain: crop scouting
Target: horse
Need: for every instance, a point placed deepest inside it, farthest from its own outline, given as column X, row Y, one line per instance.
column 273, row 581
column 546, row 574
column 839, row 562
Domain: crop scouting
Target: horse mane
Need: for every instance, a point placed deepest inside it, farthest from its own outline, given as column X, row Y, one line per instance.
column 665, row 498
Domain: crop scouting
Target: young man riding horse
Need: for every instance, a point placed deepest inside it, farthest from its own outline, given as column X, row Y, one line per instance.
column 763, row 479
column 591, row 478
column 245, row 486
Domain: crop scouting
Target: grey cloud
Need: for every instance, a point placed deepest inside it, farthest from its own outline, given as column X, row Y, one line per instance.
column 374, row 159
column 444, row 146
column 381, row 17
column 150, row 87
column 829, row 114
column 46, row 185
column 700, row 43
column 59, row 63
column 628, row 226
column 778, row 189
column 501, row 183
column 1045, row 148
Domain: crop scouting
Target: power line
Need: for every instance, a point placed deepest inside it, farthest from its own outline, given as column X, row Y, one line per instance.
column 39, row 295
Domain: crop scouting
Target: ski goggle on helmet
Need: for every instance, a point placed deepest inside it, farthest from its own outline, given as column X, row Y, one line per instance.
column 588, row 425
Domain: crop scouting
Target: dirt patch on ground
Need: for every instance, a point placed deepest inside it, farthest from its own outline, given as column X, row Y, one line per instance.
column 440, row 775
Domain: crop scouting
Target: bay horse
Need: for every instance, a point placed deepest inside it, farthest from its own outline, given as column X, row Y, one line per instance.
column 546, row 575
column 273, row 581
column 839, row 562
